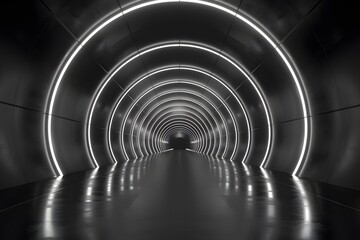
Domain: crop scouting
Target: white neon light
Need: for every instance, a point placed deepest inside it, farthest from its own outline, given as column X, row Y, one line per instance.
column 138, row 139
column 213, row 5
column 168, row 150
column 187, row 92
column 176, row 127
column 207, row 110
column 257, row 89
column 169, row 82
column 186, row 105
column 219, row 81
column 190, row 150
column 156, row 97
column 218, row 97
column 192, row 136
column 236, row 98
column 142, row 79
column 184, row 122
column 192, row 112
column 158, row 134
column 180, row 116
column 162, row 94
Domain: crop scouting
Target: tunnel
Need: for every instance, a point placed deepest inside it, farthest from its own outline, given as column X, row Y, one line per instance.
column 179, row 119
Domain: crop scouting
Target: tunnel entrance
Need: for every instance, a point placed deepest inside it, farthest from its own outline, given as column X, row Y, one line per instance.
column 179, row 141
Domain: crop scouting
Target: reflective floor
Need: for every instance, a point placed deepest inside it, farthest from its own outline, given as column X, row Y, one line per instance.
column 179, row 195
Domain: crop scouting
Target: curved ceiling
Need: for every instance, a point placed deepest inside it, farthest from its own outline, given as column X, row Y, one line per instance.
column 191, row 62
column 271, row 84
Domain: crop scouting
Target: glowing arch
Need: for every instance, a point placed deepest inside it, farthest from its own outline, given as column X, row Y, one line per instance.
column 240, row 16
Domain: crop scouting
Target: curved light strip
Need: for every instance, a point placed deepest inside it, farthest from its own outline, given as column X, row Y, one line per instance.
column 155, row 98
column 195, row 128
column 195, row 84
column 169, row 120
column 189, row 100
column 142, row 122
column 191, row 69
column 197, row 136
column 204, row 127
column 187, row 104
column 178, row 127
column 166, row 128
column 196, row 109
column 170, row 92
column 250, row 22
column 236, row 132
column 150, row 74
column 162, row 84
column 194, row 143
column 177, row 82
column 233, row 93
column 201, row 130
column 185, row 124
column 154, row 107
column 186, row 98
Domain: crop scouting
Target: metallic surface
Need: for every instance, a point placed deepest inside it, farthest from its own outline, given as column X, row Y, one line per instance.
column 179, row 195
column 89, row 84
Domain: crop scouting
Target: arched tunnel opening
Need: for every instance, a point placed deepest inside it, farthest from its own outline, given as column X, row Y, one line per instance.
column 180, row 141
column 189, row 119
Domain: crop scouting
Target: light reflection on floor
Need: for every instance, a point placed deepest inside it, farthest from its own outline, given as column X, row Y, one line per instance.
column 179, row 195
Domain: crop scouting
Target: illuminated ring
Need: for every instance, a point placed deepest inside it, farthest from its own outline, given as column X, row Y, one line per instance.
column 178, row 125
column 227, row 108
column 185, row 124
column 150, row 101
column 200, row 130
column 173, row 129
column 160, row 95
column 212, row 76
column 246, row 19
column 210, row 92
column 204, row 86
column 191, row 83
column 213, row 93
column 195, row 128
column 234, row 94
column 191, row 107
column 138, row 142
column 188, row 92
column 186, row 99
column 150, row 74
column 182, row 126
column 161, row 111
column 195, row 122
column 166, row 129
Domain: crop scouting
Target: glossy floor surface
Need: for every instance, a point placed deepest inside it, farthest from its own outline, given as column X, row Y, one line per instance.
column 179, row 195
